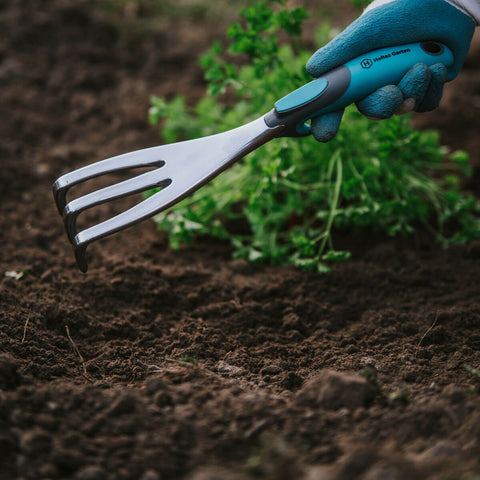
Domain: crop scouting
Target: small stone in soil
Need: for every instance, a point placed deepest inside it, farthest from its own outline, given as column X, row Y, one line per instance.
column 36, row 442
column 151, row 475
column 91, row 472
column 215, row 474
column 334, row 390
column 234, row 371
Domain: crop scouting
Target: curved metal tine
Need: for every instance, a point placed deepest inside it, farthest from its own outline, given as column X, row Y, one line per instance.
column 139, row 158
column 155, row 204
column 140, row 183
column 194, row 162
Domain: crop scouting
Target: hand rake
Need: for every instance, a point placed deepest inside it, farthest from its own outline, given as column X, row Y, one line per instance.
column 182, row 168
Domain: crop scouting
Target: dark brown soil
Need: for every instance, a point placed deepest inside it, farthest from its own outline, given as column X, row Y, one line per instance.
column 163, row 365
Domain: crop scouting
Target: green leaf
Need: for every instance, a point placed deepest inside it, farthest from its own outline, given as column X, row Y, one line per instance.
column 336, row 256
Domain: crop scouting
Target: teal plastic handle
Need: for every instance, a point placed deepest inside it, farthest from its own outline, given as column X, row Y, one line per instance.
column 352, row 82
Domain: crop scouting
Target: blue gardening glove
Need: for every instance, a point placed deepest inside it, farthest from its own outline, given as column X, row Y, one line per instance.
column 389, row 24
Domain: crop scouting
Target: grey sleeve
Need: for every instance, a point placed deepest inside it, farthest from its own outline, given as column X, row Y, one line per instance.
column 472, row 7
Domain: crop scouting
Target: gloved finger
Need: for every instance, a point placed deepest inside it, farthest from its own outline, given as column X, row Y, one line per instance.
column 382, row 103
column 325, row 127
column 407, row 106
column 415, row 82
column 433, row 95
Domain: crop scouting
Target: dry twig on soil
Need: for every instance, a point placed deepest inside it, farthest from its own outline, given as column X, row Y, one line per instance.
column 25, row 328
column 85, row 373
column 427, row 332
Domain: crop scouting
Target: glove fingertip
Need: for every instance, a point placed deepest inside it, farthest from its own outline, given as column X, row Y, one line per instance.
column 439, row 72
column 434, row 91
column 317, row 65
column 325, row 127
column 431, row 101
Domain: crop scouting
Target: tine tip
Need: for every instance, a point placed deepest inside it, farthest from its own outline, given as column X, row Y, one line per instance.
column 81, row 257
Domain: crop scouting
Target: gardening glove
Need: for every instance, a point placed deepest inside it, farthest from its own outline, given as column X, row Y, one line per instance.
column 390, row 23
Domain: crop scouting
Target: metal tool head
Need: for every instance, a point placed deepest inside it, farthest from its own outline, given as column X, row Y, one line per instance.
column 181, row 168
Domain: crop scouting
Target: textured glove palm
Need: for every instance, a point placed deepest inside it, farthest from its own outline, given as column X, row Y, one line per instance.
column 392, row 24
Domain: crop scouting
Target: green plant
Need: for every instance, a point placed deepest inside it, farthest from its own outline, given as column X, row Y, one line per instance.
column 369, row 373
column 188, row 359
column 473, row 371
column 474, row 390
column 282, row 202
column 401, row 396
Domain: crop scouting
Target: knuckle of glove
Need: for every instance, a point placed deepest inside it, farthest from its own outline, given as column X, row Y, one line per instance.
column 415, row 82
column 382, row 103
column 424, row 85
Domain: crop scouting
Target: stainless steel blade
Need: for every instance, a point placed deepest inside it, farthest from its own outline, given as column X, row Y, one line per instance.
column 188, row 165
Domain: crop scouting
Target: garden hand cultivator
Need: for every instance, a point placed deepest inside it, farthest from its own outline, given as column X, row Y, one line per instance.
column 182, row 168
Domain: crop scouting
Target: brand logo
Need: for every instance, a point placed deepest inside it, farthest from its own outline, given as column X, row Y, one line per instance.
column 366, row 63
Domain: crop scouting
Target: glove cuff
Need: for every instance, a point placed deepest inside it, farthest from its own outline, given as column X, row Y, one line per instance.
column 469, row 7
